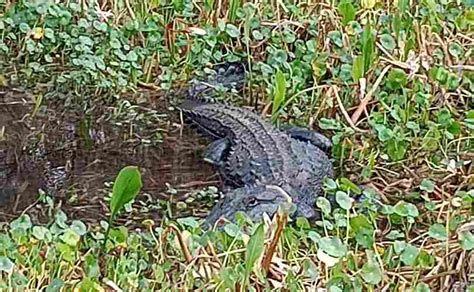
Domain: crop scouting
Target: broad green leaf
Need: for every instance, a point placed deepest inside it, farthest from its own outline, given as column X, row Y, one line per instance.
column 395, row 234
column 455, row 49
column 232, row 31
column 396, row 150
column 119, row 234
column 324, row 204
column 441, row 75
column 333, row 246
column 79, row 227
column 302, row 223
column 188, row 221
column 279, row 93
column 347, row 11
column 24, row 27
column 91, row 266
column 332, row 124
column 126, row 187
column 399, row 246
column 115, row 43
column 343, row 199
column 438, row 232
column 314, row 236
column 310, row 269
column 383, row 133
column 409, row 255
column 60, row 219
column 388, row 42
column 371, row 272
column 42, row 233
column 23, row 222
column 257, row 35
column 444, row 117
column 289, row 36
column 326, row 259
column 336, row 38
column 363, row 230
column 405, row 209
column 280, row 56
column 334, row 288
column 232, row 229
column 467, row 240
column 329, row 184
column 254, row 248
column 425, row 260
column 70, row 237
column 132, row 56
column 6, row 265
column 397, row 78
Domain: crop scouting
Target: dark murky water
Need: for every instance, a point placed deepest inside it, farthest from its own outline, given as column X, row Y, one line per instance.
column 95, row 147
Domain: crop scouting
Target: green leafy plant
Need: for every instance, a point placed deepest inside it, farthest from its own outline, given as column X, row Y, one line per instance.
column 317, row 65
column 126, row 187
column 279, row 93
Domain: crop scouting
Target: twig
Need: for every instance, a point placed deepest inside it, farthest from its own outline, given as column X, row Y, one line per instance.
column 149, row 85
column 267, row 259
column 368, row 97
column 184, row 248
column 440, row 275
column 344, row 112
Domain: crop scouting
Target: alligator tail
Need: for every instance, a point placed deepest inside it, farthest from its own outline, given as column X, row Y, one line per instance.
column 199, row 106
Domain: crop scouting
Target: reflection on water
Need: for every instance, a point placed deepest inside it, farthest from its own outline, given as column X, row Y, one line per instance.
column 91, row 149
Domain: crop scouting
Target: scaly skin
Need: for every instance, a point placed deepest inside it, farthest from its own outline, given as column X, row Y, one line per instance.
column 260, row 155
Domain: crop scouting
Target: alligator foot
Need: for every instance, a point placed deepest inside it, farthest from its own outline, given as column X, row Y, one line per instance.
column 315, row 138
column 217, row 151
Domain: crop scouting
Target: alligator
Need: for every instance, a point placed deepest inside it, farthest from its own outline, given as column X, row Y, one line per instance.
column 262, row 166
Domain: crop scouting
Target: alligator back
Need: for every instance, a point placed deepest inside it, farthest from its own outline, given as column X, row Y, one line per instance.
column 259, row 151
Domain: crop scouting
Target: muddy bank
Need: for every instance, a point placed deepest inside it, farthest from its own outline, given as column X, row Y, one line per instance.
column 85, row 151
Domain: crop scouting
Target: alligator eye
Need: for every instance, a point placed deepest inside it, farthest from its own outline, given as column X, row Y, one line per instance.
column 251, row 202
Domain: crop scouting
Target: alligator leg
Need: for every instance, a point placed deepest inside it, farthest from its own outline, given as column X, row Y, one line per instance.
column 315, row 138
column 217, row 151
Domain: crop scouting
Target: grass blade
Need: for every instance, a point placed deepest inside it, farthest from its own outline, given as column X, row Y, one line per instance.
column 254, row 249
column 279, row 93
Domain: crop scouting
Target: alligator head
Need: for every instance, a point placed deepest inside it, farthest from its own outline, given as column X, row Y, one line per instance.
column 254, row 201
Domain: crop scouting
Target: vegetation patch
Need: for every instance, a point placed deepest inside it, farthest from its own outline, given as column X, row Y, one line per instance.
column 390, row 83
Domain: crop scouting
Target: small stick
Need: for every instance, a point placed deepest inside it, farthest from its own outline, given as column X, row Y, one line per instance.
column 368, row 97
column 344, row 112
column 184, row 248
column 440, row 275
column 281, row 219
